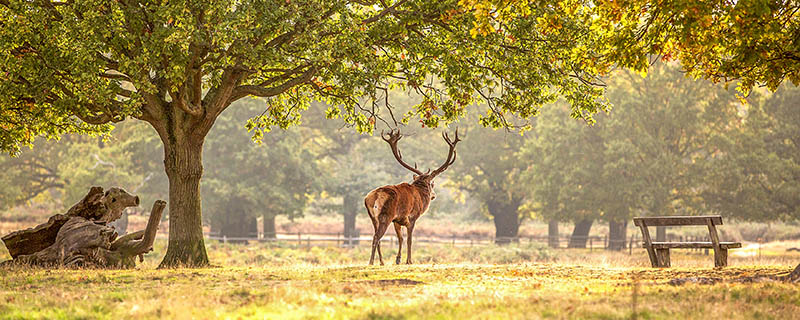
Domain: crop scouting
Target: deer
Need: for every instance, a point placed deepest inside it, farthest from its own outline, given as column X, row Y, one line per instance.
column 402, row 204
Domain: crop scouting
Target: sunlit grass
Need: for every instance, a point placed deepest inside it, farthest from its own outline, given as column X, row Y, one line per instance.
column 517, row 282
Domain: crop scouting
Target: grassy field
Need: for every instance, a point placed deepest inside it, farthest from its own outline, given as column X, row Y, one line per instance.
column 517, row 282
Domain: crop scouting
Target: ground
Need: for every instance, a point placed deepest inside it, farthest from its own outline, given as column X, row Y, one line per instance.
column 517, row 281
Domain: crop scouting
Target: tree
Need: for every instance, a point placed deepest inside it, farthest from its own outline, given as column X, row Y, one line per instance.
column 62, row 170
column 31, row 174
column 658, row 136
column 563, row 173
column 489, row 169
column 79, row 67
column 253, row 179
column 756, row 173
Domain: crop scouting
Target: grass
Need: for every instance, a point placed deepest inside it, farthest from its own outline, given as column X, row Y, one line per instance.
column 516, row 282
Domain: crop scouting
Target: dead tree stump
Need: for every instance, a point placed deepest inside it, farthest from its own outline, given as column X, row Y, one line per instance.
column 82, row 238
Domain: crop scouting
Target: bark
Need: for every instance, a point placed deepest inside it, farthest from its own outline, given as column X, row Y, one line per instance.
column 506, row 220
column 552, row 234
column 617, row 233
column 184, row 167
column 83, row 242
column 29, row 241
column 580, row 234
column 270, row 232
column 96, row 206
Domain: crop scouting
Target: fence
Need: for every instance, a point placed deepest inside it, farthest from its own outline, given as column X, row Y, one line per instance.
column 338, row 239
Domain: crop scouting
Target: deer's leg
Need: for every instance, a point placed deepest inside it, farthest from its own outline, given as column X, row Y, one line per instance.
column 375, row 228
column 410, row 227
column 399, row 232
column 376, row 242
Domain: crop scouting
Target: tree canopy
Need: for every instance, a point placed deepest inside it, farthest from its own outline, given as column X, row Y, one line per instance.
column 753, row 42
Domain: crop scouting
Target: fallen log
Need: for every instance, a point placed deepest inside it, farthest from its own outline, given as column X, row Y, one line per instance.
column 82, row 238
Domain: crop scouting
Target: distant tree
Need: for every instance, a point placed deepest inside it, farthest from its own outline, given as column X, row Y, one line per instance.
column 277, row 177
column 563, row 176
column 488, row 168
column 32, row 173
column 658, row 135
column 755, row 175
column 65, row 168
column 645, row 157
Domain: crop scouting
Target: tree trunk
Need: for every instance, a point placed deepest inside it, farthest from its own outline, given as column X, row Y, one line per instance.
column 184, row 166
column 350, row 209
column 661, row 234
column 506, row 221
column 238, row 224
column 580, row 234
column 552, row 234
column 617, row 233
column 269, row 226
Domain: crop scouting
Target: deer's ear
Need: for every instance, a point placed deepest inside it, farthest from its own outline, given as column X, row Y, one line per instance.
column 415, row 177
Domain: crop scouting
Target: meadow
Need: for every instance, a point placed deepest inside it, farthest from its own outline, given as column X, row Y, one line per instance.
column 526, row 281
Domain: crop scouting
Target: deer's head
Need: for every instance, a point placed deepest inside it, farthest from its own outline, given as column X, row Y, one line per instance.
column 423, row 178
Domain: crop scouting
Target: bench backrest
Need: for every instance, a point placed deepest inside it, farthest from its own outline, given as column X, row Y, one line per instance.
column 677, row 221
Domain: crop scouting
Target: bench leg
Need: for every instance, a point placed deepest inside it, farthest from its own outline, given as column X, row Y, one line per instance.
column 663, row 257
column 721, row 258
column 653, row 258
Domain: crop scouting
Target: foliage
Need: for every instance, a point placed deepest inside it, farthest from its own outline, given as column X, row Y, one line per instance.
column 276, row 177
column 488, row 168
column 103, row 62
column 753, row 41
column 67, row 168
column 646, row 157
column 756, row 174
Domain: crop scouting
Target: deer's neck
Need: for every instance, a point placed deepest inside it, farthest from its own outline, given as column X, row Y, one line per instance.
column 425, row 193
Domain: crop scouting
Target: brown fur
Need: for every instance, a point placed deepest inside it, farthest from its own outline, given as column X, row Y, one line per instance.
column 401, row 204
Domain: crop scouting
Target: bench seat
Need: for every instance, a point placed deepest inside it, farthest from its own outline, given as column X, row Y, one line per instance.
column 691, row 245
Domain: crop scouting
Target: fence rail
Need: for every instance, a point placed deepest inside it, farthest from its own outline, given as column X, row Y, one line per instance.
column 338, row 239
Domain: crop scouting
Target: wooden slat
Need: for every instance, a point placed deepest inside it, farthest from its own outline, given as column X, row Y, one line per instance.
column 720, row 260
column 677, row 221
column 694, row 245
column 647, row 244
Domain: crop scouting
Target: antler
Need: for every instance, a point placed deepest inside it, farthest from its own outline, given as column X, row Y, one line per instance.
column 451, row 155
column 392, row 139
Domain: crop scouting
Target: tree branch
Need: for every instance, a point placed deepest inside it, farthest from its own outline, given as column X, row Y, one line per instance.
column 260, row 91
column 390, row 9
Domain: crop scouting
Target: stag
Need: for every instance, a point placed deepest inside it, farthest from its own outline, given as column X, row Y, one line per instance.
column 402, row 204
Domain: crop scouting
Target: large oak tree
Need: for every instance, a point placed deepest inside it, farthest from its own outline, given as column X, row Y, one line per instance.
column 80, row 66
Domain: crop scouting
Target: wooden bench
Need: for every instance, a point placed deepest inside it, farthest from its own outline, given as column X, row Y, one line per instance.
column 659, row 251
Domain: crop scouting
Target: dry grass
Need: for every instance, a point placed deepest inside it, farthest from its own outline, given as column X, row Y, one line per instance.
column 522, row 282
